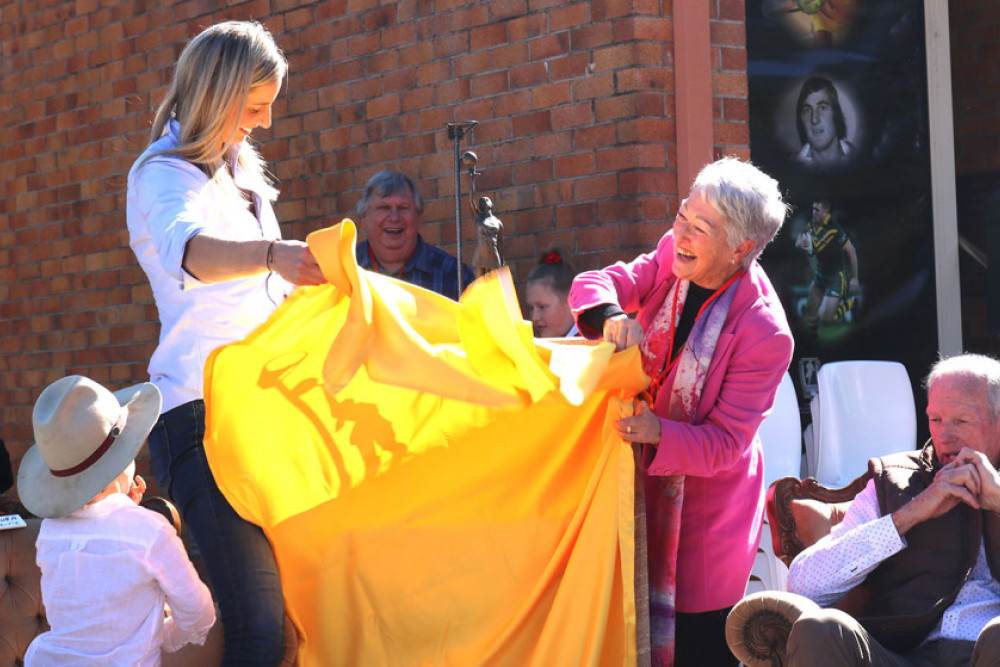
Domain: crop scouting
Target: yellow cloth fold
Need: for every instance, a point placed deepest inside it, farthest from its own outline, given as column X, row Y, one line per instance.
column 439, row 488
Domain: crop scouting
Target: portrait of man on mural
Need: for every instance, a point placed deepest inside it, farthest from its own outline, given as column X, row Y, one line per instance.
column 821, row 125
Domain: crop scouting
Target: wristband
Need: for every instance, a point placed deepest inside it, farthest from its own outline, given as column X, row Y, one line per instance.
column 270, row 255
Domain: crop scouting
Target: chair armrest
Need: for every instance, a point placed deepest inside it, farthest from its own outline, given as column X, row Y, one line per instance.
column 164, row 507
column 757, row 628
column 789, row 499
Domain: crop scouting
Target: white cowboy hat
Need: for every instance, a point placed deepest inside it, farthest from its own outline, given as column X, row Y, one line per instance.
column 85, row 436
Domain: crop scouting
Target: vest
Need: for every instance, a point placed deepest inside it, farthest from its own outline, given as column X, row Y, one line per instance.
column 911, row 590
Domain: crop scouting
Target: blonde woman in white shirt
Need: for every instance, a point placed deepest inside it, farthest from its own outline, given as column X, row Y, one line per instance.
column 202, row 226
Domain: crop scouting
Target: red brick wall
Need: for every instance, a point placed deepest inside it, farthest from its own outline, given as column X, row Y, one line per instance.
column 576, row 142
column 975, row 65
column 975, row 71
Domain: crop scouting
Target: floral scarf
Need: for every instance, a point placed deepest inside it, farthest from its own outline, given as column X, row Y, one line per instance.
column 665, row 495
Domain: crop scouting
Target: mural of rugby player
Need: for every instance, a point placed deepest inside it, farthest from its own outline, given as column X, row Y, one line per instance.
column 833, row 293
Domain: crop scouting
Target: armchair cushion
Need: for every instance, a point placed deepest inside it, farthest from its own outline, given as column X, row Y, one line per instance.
column 814, row 519
column 22, row 615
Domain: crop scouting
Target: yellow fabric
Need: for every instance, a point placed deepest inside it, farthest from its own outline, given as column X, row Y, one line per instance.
column 439, row 487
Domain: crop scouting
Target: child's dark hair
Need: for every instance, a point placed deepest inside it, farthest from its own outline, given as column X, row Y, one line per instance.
column 555, row 269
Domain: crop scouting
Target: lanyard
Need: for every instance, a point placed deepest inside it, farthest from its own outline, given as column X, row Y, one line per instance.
column 399, row 274
column 671, row 360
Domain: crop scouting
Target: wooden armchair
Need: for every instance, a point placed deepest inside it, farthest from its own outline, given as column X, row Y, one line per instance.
column 799, row 513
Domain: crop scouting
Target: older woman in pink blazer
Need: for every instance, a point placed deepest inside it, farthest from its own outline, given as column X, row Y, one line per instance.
column 715, row 343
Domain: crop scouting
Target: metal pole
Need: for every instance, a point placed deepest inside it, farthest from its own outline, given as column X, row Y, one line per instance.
column 458, row 215
column 455, row 132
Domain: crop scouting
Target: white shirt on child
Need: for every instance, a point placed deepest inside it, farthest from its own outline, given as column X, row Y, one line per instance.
column 107, row 570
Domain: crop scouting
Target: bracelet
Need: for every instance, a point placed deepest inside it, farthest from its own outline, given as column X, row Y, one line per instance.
column 270, row 255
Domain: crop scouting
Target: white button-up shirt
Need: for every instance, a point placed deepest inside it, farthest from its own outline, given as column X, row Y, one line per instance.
column 827, row 570
column 107, row 570
column 169, row 201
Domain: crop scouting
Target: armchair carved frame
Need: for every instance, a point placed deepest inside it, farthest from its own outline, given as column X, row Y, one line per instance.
column 800, row 513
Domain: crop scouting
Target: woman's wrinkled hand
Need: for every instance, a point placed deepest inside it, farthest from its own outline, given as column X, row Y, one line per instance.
column 623, row 331
column 643, row 426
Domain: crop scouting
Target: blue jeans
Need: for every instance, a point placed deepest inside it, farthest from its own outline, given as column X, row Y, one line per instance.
column 237, row 555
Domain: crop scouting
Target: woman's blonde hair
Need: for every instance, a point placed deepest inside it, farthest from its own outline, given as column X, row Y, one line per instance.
column 212, row 81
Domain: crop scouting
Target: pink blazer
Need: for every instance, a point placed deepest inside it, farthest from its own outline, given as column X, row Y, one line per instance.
column 720, row 454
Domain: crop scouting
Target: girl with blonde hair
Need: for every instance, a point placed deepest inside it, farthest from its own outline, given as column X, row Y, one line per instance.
column 201, row 223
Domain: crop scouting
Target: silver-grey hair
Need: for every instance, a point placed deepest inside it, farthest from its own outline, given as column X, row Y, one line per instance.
column 975, row 366
column 748, row 199
column 387, row 183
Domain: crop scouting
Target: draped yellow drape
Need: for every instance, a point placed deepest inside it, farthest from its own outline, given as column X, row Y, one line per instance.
column 439, row 488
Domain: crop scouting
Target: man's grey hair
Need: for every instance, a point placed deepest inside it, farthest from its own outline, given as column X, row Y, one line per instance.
column 387, row 183
column 978, row 366
column 747, row 198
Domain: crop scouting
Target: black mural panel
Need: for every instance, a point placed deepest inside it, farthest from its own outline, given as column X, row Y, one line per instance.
column 838, row 114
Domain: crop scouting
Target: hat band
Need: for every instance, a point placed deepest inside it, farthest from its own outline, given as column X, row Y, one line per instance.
column 98, row 453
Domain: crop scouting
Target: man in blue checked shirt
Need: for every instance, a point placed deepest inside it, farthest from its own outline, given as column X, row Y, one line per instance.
column 389, row 214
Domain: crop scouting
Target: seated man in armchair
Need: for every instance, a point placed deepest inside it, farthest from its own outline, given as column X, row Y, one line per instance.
column 924, row 539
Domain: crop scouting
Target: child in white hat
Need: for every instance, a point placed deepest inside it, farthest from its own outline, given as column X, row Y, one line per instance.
column 117, row 583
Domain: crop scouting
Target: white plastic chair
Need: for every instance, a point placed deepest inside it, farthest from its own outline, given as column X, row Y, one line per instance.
column 781, row 435
column 865, row 409
column 809, row 439
column 768, row 572
column 755, row 585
